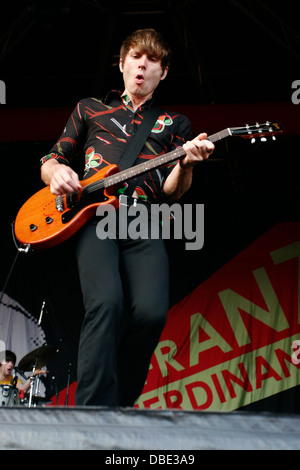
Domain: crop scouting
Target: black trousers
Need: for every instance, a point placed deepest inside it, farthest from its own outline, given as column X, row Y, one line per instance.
column 125, row 287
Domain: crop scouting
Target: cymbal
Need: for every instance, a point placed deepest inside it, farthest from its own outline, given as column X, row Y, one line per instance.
column 37, row 358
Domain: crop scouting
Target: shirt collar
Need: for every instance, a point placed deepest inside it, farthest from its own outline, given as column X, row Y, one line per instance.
column 118, row 95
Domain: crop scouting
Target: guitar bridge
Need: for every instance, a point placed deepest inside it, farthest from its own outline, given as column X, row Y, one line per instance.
column 59, row 203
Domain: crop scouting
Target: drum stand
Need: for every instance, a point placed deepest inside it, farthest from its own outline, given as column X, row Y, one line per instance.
column 32, row 362
column 32, row 384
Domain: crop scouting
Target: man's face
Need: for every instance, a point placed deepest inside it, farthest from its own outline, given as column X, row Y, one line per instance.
column 7, row 367
column 141, row 74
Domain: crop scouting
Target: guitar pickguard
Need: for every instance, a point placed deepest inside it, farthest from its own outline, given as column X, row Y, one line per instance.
column 87, row 198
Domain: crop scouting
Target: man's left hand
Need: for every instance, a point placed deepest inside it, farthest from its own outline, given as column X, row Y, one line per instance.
column 197, row 150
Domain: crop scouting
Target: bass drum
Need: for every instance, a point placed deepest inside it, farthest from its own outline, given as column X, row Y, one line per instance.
column 9, row 396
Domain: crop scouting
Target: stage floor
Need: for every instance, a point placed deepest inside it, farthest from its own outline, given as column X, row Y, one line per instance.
column 48, row 428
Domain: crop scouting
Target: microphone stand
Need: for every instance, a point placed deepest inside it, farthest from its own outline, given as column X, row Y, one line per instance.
column 68, row 386
column 54, row 388
column 41, row 313
column 21, row 373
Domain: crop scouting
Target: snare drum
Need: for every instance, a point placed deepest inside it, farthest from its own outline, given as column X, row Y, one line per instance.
column 9, row 396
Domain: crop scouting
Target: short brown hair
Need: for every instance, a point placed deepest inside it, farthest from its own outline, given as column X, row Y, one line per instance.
column 150, row 42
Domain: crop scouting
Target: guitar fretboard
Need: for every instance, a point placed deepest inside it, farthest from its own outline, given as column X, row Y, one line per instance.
column 144, row 167
column 156, row 162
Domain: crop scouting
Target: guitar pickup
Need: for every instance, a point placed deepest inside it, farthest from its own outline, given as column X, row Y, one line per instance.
column 71, row 200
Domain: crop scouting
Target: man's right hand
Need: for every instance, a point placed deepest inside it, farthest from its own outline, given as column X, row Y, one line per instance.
column 61, row 178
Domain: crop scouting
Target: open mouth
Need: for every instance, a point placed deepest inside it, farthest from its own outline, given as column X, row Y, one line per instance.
column 139, row 79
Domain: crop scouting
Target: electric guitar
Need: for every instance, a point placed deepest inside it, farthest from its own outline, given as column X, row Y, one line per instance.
column 46, row 220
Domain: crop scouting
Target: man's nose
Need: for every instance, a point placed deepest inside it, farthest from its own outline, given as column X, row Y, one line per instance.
column 143, row 61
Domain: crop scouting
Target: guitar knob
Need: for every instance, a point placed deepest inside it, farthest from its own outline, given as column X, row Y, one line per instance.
column 33, row 227
column 49, row 220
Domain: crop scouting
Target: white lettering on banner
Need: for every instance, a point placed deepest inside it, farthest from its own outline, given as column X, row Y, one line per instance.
column 215, row 339
column 165, row 355
column 231, row 384
column 273, row 317
column 253, row 372
column 232, row 302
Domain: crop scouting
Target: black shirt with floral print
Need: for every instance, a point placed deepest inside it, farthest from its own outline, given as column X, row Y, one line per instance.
column 104, row 127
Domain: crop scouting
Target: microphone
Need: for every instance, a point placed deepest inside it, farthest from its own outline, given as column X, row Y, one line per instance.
column 14, row 381
column 21, row 373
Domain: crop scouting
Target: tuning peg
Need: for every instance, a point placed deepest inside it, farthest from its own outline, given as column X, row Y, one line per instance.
column 253, row 141
column 263, row 139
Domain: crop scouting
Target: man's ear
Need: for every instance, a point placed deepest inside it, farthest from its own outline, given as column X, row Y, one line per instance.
column 165, row 72
column 121, row 65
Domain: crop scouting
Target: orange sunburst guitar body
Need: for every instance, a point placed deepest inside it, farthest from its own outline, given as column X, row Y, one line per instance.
column 46, row 220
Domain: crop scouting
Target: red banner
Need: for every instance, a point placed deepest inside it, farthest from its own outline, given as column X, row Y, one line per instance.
column 229, row 343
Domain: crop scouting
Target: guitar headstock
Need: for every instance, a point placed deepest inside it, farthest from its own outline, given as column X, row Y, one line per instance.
column 261, row 131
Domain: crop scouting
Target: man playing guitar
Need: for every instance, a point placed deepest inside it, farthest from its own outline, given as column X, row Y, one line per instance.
column 117, row 343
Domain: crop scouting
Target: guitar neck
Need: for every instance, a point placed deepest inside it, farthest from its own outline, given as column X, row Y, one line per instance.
column 247, row 132
column 157, row 162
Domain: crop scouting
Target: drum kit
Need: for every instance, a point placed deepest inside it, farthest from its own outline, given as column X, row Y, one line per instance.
column 10, row 395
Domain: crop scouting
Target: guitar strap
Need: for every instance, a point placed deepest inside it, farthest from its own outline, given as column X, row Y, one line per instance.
column 138, row 141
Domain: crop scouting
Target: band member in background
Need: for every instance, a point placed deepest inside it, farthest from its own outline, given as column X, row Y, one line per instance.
column 8, row 361
column 124, row 282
